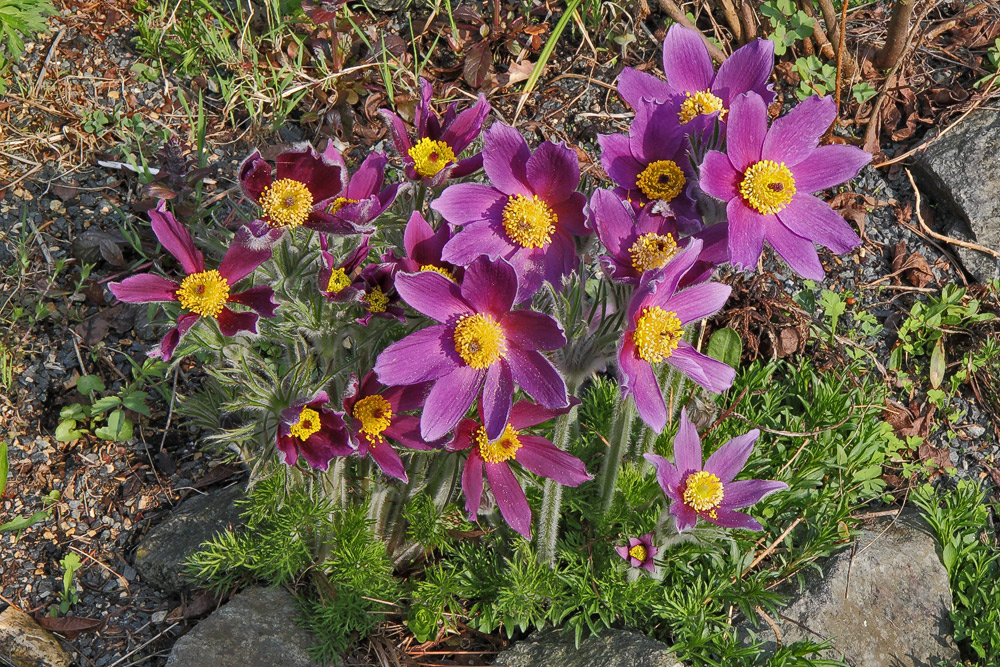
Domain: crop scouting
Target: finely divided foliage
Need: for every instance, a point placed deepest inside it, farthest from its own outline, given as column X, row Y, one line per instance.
column 433, row 367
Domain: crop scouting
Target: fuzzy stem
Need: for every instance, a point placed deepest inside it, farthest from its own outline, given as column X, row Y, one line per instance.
column 548, row 520
column 621, row 431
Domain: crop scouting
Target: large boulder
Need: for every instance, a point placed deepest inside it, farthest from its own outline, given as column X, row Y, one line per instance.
column 161, row 555
column 962, row 170
column 255, row 629
column 884, row 601
column 24, row 643
column 612, row 648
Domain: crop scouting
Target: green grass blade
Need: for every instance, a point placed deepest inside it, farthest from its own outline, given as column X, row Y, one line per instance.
column 543, row 57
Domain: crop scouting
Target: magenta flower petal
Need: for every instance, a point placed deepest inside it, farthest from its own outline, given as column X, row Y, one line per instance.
column 510, row 498
column 385, row 457
column 231, row 323
column 497, row 399
column 635, row 86
column 617, row 159
column 472, row 483
column 368, row 178
column 713, row 375
column 505, row 156
column 400, row 138
column 490, row 286
column 750, row 491
column 537, row 377
column 638, row 380
column 424, row 355
column 323, row 173
column 813, row 219
column 553, row 171
column 687, row 446
column 718, row 178
column 799, row 253
column 173, row 336
column 469, row 202
column 728, row 518
column 685, row 517
column 747, row 69
column 533, row 331
column 541, row 457
column 746, row 233
column 448, row 400
column 240, row 261
column 433, row 295
column 727, row 461
column 478, row 239
column 794, row 136
column 405, row 429
column 686, row 62
column 747, row 130
column 143, row 288
column 260, row 298
column 667, row 474
column 255, row 176
column 176, row 239
column 417, row 232
column 699, row 301
column 466, row 126
column 828, row 166
column 526, row 414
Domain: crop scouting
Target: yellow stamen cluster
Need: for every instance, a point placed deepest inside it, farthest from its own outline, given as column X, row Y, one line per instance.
column 703, row 492
column 638, row 552
column 479, row 340
column 502, row 449
column 702, row 102
column 205, row 293
column 339, row 203
column 376, row 299
column 307, row 425
column 662, row 179
column 528, row 221
column 652, row 251
column 338, row 281
column 768, row 186
column 286, row 203
column 437, row 269
column 656, row 334
column 375, row 415
column 430, row 156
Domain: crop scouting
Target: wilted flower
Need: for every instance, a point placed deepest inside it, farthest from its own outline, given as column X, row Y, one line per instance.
column 309, row 429
column 377, row 292
column 639, row 552
column 374, row 416
column 656, row 315
column 432, row 155
column 533, row 452
column 766, row 177
column 651, row 165
column 528, row 216
column 203, row 293
column 336, row 281
column 422, row 247
column 480, row 344
column 709, row 491
column 693, row 90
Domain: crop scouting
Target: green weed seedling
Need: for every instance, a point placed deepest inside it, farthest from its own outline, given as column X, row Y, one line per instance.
column 789, row 24
column 67, row 596
column 818, row 77
column 22, row 522
column 4, row 466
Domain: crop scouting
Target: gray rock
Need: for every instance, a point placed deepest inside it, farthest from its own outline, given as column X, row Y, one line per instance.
column 388, row 5
column 962, row 169
column 25, row 642
column 612, row 648
column 883, row 602
column 162, row 553
column 255, row 629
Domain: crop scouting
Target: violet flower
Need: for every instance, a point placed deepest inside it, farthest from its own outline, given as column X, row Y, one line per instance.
column 693, row 89
column 528, row 215
column 479, row 345
column 766, row 177
column 363, row 197
column 377, row 291
column 202, row 293
column 533, row 452
column 656, row 315
column 373, row 416
column 337, row 281
column 639, row 552
column 423, row 247
column 431, row 156
column 309, row 429
column 651, row 163
column 708, row 491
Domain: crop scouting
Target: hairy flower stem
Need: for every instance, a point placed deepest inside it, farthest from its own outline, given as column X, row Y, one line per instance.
column 548, row 520
column 621, row 431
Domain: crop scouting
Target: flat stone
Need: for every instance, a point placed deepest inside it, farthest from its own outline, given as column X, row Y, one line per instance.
column 612, row 648
column 962, row 170
column 885, row 601
column 161, row 555
column 27, row 644
column 255, row 629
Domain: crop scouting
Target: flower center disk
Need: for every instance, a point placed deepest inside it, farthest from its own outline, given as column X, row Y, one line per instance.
column 701, row 103
column 662, row 179
column 377, row 300
column 338, row 281
column 656, row 334
column 307, row 425
column 652, row 251
column 430, row 156
column 502, row 449
column 375, row 415
column 479, row 340
column 528, row 221
column 703, row 492
column 437, row 269
column 205, row 293
column 286, row 203
column 768, row 186
column 638, row 552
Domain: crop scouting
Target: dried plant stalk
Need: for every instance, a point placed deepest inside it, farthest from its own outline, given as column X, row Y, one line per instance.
column 899, row 30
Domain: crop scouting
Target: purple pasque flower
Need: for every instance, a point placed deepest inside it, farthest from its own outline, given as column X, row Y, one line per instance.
column 363, row 198
column 309, row 429
column 479, row 345
column 376, row 289
column 533, row 452
column 640, row 243
column 305, row 184
column 203, row 293
column 656, row 315
column 373, row 416
column 422, row 246
column 766, row 176
column 528, row 215
column 431, row 154
column 337, row 280
column 694, row 91
column 708, row 490
column 651, row 163
column 639, row 552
